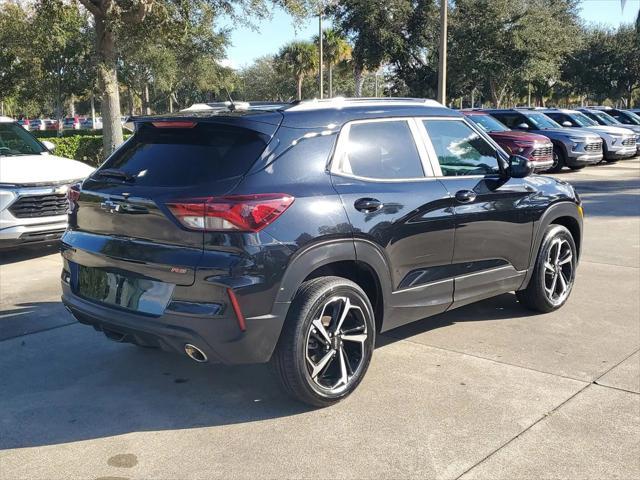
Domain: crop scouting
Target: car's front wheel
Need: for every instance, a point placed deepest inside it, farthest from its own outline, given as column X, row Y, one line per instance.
column 554, row 272
column 327, row 341
column 558, row 160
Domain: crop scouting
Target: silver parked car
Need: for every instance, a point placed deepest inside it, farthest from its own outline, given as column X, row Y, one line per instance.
column 601, row 117
column 618, row 143
column 89, row 123
column 573, row 148
column 33, row 187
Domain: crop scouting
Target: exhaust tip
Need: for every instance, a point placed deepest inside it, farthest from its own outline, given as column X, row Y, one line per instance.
column 194, row 353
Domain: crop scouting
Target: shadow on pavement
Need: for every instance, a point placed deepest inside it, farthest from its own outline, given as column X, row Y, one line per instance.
column 28, row 252
column 609, row 198
column 72, row 384
column 502, row 307
column 31, row 317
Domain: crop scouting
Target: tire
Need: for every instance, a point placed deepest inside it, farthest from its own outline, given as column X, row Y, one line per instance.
column 558, row 160
column 554, row 272
column 314, row 364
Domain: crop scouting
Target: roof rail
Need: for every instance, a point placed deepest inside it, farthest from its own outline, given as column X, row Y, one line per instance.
column 338, row 102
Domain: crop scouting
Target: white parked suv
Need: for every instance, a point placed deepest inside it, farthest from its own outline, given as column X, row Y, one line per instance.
column 33, row 187
column 618, row 143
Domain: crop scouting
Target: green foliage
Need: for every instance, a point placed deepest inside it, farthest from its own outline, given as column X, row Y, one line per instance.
column 16, row 62
column 46, row 134
column 262, row 81
column 335, row 50
column 85, row 148
column 297, row 59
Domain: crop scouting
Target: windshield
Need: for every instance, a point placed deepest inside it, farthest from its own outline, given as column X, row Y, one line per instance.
column 488, row 123
column 582, row 120
column 604, row 118
column 541, row 121
column 632, row 117
column 15, row 140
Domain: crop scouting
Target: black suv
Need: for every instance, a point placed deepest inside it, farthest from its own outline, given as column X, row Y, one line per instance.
column 296, row 233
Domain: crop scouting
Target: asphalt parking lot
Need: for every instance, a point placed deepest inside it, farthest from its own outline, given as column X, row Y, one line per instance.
column 486, row 391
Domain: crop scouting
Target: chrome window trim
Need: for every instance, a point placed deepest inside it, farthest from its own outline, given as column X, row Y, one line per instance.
column 343, row 139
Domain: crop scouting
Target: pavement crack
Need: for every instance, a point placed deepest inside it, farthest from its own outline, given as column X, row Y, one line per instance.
column 511, row 440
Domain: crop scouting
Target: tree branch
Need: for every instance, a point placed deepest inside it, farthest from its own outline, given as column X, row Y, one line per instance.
column 137, row 14
column 92, row 7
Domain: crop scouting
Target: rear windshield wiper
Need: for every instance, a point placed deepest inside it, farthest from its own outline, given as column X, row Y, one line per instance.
column 115, row 173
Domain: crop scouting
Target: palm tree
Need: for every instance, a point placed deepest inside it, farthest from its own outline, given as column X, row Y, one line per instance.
column 336, row 49
column 298, row 59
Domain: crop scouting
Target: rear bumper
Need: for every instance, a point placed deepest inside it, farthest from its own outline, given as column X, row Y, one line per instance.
column 219, row 336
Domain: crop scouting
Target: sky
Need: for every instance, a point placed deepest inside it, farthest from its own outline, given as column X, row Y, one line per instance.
column 247, row 45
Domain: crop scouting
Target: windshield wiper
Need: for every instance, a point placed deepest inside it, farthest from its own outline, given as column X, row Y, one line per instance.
column 115, row 173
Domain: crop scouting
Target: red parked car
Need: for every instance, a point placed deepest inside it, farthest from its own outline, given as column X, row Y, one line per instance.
column 537, row 148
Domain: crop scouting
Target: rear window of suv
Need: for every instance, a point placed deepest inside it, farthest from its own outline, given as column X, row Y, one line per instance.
column 177, row 157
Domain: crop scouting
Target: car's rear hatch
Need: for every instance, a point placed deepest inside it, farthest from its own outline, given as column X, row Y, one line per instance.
column 121, row 229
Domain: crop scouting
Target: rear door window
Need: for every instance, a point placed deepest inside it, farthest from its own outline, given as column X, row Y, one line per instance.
column 177, row 157
column 380, row 150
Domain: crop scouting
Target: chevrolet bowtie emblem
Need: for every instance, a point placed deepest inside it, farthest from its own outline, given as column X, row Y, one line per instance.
column 109, row 206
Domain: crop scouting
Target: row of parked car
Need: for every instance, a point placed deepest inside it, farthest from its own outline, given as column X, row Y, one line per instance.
column 69, row 123
column 553, row 138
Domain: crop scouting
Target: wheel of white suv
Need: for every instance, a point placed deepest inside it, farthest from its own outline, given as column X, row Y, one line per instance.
column 327, row 341
column 554, row 272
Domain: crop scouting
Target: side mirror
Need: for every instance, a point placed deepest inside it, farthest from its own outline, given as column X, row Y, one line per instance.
column 49, row 145
column 519, row 167
column 522, row 126
column 566, row 124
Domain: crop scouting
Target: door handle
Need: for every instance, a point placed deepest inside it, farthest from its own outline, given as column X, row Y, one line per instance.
column 368, row 205
column 466, row 196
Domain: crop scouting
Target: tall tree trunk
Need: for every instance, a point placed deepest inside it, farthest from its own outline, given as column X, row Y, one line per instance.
column 359, row 80
column 170, row 103
column 130, row 102
column 300, row 79
column 108, row 84
column 146, row 102
column 93, row 111
column 330, row 80
column 72, row 106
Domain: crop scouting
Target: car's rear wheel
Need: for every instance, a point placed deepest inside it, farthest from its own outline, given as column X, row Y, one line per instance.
column 558, row 160
column 554, row 272
column 327, row 341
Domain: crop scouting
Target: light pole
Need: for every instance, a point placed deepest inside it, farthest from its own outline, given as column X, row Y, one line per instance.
column 442, row 60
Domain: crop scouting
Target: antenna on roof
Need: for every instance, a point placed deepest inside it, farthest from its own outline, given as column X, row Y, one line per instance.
column 233, row 105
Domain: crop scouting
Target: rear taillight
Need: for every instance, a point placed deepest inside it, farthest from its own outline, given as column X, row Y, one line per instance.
column 73, row 194
column 245, row 213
